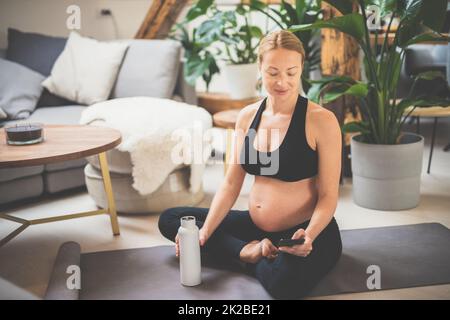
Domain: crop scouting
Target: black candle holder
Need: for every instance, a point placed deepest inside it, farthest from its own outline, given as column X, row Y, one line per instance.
column 24, row 133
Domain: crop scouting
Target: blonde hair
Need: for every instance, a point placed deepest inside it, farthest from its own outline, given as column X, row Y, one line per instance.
column 280, row 39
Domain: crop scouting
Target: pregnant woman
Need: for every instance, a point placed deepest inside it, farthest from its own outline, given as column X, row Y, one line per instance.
column 293, row 148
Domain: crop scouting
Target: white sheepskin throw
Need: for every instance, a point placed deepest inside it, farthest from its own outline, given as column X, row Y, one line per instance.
column 159, row 134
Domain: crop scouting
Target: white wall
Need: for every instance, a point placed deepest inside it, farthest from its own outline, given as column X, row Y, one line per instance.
column 49, row 17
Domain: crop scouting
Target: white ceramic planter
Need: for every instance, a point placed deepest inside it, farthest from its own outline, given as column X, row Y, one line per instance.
column 387, row 177
column 242, row 80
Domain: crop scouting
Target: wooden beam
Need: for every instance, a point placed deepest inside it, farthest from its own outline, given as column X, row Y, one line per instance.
column 340, row 57
column 160, row 17
column 340, row 52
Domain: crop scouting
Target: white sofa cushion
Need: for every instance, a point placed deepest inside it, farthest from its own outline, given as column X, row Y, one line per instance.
column 86, row 70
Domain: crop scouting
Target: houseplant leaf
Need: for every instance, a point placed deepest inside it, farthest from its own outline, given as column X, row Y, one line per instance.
column 356, row 126
column 199, row 9
column 427, row 36
column 351, row 24
column 357, row 90
column 343, row 6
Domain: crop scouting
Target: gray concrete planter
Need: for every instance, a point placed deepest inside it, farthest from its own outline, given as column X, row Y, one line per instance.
column 387, row 177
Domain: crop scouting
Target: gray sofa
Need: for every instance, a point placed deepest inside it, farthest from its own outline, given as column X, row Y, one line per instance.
column 150, row 68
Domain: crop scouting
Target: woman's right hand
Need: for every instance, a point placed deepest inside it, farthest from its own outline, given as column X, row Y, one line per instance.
column 203, row 236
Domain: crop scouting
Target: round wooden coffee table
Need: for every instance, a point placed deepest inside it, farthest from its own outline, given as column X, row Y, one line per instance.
column 63, row 143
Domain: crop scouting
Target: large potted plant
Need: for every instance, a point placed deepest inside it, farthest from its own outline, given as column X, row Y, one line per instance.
column 386, row 162
column 239, row 38
column 240, row 41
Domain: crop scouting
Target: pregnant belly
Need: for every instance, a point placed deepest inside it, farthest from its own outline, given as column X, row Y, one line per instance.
column 276, row 205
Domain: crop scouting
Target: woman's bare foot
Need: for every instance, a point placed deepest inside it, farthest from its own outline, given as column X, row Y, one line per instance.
column 251, row 252
column 255, row 250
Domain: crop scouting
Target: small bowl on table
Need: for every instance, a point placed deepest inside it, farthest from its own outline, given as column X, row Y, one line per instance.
column 24, row 133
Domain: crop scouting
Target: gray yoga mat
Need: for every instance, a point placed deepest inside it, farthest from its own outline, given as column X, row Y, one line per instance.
column 406, row 256
column 69, row 254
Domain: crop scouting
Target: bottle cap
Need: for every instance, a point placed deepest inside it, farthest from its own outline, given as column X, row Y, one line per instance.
column 188, row 221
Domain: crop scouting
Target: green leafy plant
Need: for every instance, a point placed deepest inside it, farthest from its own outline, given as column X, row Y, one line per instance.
column 199, row 61
column 382, row 117
column 287, row 15
column 240, row 40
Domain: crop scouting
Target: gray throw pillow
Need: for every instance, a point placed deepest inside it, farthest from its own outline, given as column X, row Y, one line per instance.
column 33, row 50
column 20, row 89
column 150, row 68
column 39, row 53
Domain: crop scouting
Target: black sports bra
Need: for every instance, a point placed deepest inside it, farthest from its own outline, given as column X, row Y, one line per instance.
column 293, row 160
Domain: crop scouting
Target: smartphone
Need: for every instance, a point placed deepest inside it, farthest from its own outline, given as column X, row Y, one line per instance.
column 290, row 242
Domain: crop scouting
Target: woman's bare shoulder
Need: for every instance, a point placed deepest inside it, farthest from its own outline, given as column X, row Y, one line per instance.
column 246, row 114
column 319, row 114
column 324, row 122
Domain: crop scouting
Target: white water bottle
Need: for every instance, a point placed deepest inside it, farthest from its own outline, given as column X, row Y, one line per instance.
column 190, row 264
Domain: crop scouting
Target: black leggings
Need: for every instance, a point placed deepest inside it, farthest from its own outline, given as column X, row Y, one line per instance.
column 285, row 277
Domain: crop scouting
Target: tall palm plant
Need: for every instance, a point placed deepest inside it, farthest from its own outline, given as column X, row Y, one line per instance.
column 382, row 117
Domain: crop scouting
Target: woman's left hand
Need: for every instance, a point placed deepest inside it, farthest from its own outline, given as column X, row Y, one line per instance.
column 301, row 250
